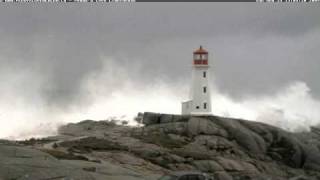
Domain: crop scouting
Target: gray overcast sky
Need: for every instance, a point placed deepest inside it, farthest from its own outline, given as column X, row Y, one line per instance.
column 254, row 48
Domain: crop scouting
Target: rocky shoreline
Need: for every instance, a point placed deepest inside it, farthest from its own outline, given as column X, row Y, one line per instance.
column 222, row 147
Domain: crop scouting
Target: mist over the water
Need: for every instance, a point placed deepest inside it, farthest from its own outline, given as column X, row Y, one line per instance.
column 291, row 107
column 113, row 93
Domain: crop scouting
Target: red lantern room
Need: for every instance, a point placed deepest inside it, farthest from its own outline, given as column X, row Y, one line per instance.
column 200, row 57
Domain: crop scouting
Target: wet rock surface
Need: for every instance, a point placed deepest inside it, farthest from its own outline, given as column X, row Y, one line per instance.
column 222, row 147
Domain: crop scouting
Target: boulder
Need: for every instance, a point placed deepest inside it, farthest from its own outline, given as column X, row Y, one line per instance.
column 150, row 118
column 222, row 176
column 198, row 125
column 246, row 138
column 209, row 166
column 157, row 118
column 166, row 118
column 236, row 165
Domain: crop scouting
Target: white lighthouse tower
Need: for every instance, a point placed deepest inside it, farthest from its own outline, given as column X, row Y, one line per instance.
column 199, row 102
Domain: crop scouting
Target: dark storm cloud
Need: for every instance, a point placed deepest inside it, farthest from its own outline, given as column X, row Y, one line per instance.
column 255, row 48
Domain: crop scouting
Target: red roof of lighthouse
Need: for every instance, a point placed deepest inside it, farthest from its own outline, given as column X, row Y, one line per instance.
column 200, row 51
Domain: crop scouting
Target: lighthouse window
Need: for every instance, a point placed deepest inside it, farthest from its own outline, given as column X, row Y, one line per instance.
column 204, row 56
column 204, row 74
column 197, row 107
column 204, row 89
column 204, row 105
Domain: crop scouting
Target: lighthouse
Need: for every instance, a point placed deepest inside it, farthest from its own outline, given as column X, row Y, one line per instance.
column 199, row 102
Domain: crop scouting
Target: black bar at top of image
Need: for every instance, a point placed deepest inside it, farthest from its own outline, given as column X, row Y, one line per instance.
column 195, row 1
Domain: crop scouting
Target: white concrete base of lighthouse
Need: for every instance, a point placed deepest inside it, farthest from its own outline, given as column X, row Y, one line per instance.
column 187, row 109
